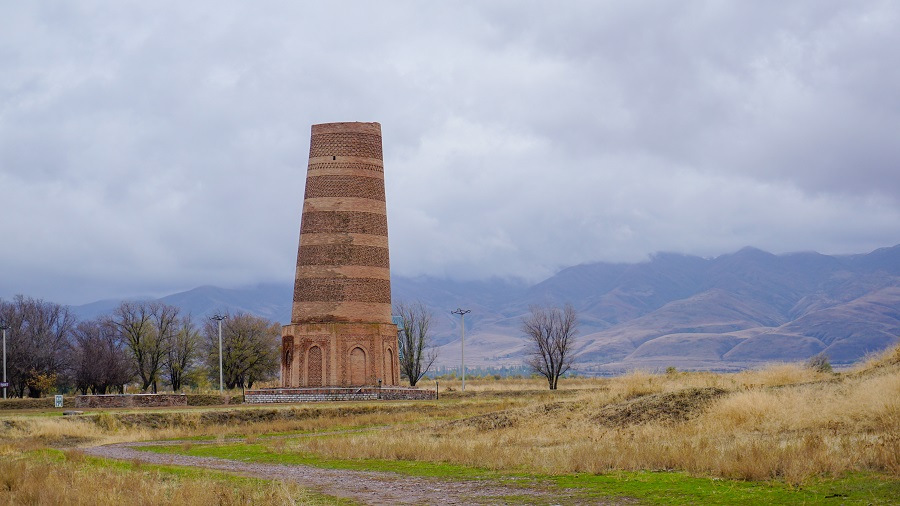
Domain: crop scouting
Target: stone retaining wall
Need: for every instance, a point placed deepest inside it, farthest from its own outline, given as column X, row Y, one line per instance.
column 130, row 401
column 273, row 395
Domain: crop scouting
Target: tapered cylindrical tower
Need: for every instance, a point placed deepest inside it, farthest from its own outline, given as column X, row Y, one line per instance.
column 343, row 270
column 341, row 332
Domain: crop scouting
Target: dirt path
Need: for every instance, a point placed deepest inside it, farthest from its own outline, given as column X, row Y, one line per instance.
column 368, row 487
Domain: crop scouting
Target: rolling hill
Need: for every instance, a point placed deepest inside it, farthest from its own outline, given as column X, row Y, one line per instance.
column 726, row 313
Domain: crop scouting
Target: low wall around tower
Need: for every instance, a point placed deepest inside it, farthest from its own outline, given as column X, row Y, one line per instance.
column 130, row 401
column 325, row 394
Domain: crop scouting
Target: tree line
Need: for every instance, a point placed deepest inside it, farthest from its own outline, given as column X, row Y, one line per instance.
column 149, row 343
column 154, row 345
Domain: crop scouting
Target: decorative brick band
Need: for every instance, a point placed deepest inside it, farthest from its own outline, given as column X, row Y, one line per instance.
column 341, row 204
column 343, row 254
column 345, row 167
column 343, row 290
column 345, row 144
column 377, row 241
column 314, row 312
column 352, row 222
column 343, row 271
column 345, row 186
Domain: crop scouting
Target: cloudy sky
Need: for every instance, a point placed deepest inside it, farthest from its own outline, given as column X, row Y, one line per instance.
column 152, row 147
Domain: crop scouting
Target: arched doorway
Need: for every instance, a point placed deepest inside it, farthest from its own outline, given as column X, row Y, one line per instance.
column 287, row 365
column 389, row 367
column 357, row 367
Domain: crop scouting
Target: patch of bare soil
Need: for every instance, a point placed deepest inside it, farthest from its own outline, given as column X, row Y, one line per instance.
column 367, row 487
column 678, row 406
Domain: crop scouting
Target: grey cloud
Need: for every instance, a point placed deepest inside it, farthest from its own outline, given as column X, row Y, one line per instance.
column 146, row 148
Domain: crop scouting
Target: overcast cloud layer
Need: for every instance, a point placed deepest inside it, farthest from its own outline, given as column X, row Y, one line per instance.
column 150, row 147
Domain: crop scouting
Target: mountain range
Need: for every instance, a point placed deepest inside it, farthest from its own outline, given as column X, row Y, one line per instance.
column 725, row 313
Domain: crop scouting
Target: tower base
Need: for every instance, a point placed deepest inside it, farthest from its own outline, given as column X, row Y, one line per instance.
column 339, row 355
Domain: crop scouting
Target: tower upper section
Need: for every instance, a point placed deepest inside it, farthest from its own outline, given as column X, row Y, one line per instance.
column 343, row 267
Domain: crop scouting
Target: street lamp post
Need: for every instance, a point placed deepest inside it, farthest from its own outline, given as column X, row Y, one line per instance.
column 4, row 326
column 219, row 318
column 462, row 313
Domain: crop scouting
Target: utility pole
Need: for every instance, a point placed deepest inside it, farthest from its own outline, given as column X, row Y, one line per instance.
column 219, row 318
column 4, row 326
column 462, row 312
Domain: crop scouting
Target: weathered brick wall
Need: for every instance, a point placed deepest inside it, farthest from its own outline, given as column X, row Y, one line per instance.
column 348, row 222
column 287, row 395
column 339, row 289
column 346, row 139
column 319, row 354
column 413, row 394
column 343, row 255
column 130, row 401
column 334, row 185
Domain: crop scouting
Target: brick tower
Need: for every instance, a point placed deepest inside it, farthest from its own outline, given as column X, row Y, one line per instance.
column 341, row 332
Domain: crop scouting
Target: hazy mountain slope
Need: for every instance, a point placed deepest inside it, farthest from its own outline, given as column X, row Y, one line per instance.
column 272, row 301
column 727, row 312
column 714, row 312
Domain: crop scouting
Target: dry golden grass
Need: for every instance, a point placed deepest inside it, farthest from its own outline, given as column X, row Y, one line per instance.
column 781, row 422
column 512, row 384
column 24, row 433
column 72, row 481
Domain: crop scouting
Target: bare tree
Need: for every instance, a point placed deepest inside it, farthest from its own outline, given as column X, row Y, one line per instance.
column 100, row 362
column 551, row 332
column 416, row 352
column 182, row 353
column 251, row 349
column 38, row 343
column 146, row 329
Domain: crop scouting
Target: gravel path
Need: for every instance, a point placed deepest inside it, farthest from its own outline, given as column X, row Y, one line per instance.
column 368, row 487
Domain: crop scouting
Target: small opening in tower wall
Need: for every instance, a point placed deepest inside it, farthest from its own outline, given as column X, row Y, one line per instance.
column 334, row 158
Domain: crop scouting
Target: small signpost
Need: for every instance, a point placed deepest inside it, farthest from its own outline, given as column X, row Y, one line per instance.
column 57, row 401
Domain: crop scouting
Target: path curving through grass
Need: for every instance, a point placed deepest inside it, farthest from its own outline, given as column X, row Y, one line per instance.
column 366, row 487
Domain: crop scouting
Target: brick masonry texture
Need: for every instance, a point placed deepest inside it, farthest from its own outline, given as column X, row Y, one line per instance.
column 351, row 222
column 343, row 254
column 343, row 289
column 130, row 401
column 275, row 395
column 344, row 167
column 341, row 354
column 345, row 312
column 344, row 186
column 345, row 144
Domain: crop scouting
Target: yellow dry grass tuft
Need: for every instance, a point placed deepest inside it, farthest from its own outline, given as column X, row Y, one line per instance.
column 73, row 481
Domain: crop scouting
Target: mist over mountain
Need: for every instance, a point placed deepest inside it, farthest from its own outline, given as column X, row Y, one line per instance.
column 725, row 313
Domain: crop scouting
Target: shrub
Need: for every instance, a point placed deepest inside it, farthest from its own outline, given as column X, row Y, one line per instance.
column 819, row 363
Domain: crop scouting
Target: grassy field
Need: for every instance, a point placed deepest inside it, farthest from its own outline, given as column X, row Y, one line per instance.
column 783, row 434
